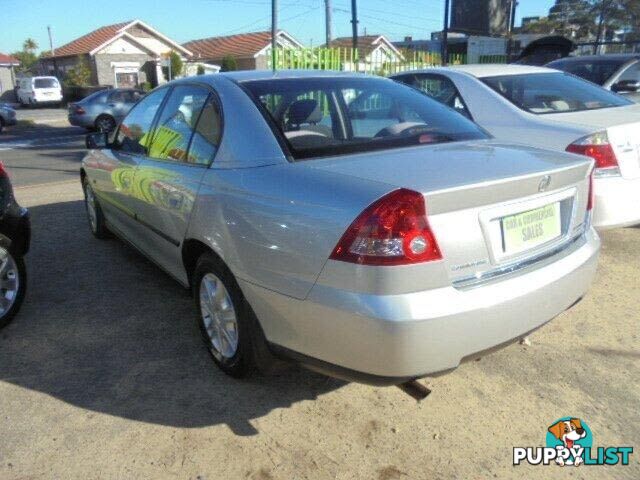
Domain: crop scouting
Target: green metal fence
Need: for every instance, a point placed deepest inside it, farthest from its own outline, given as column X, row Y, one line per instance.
column 349, row 59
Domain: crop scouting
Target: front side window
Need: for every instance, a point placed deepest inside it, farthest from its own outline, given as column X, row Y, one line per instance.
column 597, row 72
column 631, row 74
column 333, row 116
column 134, row 134
column 177, row 123
column 544, row 93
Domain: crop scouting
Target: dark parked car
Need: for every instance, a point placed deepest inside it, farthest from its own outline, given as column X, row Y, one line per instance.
column 15, row 235
column 103, row 110
column 618, row 73
column 7, row 116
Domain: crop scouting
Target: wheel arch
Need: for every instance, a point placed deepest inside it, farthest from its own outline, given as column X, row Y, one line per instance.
column 192, row 250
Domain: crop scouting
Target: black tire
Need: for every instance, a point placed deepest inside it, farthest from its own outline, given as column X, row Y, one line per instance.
column 21, row 273
column 98, row 226
column 1, row 124
column 105, row 123
column 248, row 357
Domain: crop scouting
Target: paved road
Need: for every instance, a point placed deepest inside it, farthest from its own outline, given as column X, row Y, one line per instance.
column 43, row 152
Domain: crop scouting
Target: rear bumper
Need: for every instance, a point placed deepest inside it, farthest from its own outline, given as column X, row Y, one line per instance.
column 389, row 339
column 617, row 202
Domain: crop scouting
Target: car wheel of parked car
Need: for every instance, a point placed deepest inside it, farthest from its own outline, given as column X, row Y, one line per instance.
column 224, row 317
column 94, row 212
column 13, row 285
column 105, row 123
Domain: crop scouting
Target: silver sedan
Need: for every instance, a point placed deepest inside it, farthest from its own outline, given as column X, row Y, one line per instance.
column 103, row 110
column 347, row 222
column 546, row 108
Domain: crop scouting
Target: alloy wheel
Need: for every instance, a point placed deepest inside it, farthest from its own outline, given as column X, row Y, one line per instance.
column 219, row 317
column 92, row 214
column 9, row 281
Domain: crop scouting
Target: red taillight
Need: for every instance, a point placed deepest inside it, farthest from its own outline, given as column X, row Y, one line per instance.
column 391, row 231
column 596, row 146
column 78, row 109
column 592, row 198
column 3, row 171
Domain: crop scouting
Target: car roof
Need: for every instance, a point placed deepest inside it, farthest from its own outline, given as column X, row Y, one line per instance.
column 492, row 70
column 249, row 75
column 617, row 57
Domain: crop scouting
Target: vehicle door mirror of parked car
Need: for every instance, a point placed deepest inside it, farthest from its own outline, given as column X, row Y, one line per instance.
column 626, row 86
column 97, row 140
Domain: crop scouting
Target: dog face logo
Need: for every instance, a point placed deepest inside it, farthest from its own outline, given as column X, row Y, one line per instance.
column 568, row 432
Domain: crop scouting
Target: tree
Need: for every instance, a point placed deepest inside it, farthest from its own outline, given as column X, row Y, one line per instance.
column 29, row 45
column 26, row 59
column 229, row 64
column 200, row 70
column 80, row 74
column 176, row 65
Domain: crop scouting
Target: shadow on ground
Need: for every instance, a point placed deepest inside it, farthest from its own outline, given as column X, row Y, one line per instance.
column 105, row 330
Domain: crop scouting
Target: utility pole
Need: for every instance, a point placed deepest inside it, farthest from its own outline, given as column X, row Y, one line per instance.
column 327, row 18
column 603, row 11
column 53, row 52
column 445, row 35
column 274, row 33
column 354, row 23
column 512, row 22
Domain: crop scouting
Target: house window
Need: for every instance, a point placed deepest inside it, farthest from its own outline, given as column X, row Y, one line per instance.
column 126, row 79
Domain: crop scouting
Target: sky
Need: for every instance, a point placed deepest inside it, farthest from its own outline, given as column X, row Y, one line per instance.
column 184, row 20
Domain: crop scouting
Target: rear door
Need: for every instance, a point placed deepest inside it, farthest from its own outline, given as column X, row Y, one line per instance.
column 184, row 143
column 114, row 180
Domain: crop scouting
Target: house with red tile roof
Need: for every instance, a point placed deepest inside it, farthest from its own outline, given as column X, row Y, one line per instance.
column 7, row 76
column 250, row 50
column 374, row 50
column 121, row 55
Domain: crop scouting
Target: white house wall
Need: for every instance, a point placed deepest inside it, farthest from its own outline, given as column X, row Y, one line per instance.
column 122, row 45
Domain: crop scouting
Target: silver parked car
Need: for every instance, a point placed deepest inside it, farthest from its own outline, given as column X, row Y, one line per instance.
column 347, row 222
column 546, row 108
column 103, row 110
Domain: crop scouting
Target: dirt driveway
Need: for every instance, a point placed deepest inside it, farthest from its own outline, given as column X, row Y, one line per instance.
column 103, row 375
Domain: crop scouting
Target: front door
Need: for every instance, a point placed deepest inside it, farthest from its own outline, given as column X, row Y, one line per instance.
column 184, row 142
column 114, row 182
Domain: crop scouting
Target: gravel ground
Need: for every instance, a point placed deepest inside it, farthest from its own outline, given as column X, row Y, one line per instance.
column 103, row 375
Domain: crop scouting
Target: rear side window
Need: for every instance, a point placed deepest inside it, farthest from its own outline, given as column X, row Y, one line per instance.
column 134, row 134
column 338, row 115
column 441, row 89
column 177, row 123
column 544, row 93
column 206, row 137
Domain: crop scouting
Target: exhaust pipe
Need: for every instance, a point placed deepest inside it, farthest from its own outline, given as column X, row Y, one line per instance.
column 415, row 390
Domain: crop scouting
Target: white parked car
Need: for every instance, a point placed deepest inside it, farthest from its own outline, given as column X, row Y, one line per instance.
column 34, row 91
column 556, row 110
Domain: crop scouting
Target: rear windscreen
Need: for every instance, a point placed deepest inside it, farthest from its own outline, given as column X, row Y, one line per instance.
column 45, row 83
column 553, row 92
column 332, row 116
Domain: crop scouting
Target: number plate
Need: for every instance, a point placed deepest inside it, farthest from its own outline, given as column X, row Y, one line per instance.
column 530, row 229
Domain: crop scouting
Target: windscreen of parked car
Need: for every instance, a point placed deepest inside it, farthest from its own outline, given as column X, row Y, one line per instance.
column 333, row 116
column 544, row 93
column 596, row 71
column 45, row 83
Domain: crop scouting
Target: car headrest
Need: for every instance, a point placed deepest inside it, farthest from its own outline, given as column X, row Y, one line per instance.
column 304, row 111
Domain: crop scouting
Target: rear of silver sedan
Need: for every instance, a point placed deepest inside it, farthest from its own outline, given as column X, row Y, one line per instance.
column 442, row 268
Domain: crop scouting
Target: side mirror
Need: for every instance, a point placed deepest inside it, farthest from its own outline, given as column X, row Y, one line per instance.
column 97, row 140
column 626, row 86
